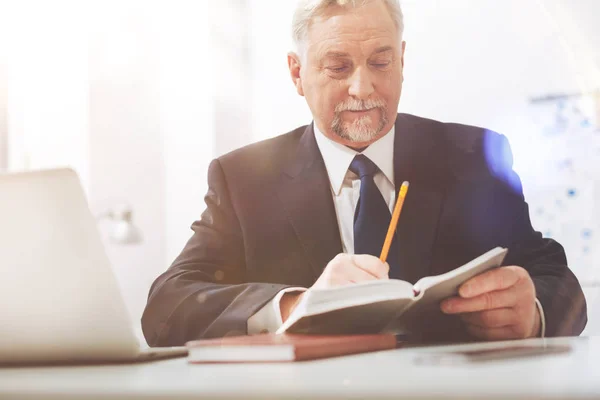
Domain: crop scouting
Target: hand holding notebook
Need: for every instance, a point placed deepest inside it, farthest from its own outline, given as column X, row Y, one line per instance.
column 382, row 305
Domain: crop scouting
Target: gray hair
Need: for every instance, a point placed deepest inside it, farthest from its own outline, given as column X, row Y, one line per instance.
column 307, row 10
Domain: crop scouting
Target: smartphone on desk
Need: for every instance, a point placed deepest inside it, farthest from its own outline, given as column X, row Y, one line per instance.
column 490, row 354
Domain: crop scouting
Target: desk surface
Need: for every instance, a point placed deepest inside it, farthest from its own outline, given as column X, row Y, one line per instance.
column 390, row 374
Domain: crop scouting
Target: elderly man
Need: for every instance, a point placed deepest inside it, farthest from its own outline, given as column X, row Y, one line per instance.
column 310, row 208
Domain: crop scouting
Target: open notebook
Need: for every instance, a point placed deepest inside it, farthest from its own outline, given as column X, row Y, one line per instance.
column 383, row 305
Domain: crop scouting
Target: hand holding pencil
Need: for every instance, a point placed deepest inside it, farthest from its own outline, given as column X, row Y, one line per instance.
column 352, row 268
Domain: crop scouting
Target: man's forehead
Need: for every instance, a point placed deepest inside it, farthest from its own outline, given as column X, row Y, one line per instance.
column 341, row 53
column 342, row 46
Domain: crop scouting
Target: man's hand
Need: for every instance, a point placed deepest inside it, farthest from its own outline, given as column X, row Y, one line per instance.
column 351, row 268
column 344, row 269
column 497, row 305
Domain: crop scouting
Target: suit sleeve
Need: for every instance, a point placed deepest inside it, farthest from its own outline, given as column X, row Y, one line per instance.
column 205, row 292
column 557, row 288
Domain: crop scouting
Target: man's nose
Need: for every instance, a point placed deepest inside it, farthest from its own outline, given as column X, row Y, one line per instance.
column 361, row 84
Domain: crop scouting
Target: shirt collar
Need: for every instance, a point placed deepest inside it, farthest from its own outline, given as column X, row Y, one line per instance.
column 338, row 157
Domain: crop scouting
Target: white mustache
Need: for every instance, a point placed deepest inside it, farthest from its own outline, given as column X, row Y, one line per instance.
column 359, row 105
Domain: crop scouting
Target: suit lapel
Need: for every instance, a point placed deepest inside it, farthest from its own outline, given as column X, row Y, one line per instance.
column 305, row 192
column 418, row 159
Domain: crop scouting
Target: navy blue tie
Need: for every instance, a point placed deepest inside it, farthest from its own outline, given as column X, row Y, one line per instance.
column 372, row 216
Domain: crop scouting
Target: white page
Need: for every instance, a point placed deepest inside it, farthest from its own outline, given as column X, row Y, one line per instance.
column 350, row 305
column 449, row 282
column 434, row 289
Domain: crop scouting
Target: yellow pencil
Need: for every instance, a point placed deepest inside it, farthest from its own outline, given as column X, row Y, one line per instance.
column 394, row 222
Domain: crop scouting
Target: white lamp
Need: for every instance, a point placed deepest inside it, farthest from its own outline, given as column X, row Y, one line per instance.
column 123, row 230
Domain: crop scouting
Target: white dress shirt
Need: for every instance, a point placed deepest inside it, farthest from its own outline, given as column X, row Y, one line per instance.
column 345, row 189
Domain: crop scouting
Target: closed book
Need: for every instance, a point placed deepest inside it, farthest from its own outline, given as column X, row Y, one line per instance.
column 383, row 306
column 272, row 347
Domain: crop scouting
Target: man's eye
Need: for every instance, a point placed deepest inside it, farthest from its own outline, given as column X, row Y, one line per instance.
column 337, row 69
column 381, row 65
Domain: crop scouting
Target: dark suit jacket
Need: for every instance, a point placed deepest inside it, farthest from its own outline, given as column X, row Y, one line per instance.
column 270, row 223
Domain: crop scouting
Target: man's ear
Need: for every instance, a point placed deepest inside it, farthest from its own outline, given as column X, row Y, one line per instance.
column 403, row 50
column 295, row 66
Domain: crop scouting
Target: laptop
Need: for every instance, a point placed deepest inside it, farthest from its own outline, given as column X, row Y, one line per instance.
column 59, row 299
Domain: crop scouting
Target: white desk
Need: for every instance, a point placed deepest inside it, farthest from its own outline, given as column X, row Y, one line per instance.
column 390, row 374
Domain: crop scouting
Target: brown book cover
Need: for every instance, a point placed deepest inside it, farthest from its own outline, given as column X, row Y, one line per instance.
column 284, row 347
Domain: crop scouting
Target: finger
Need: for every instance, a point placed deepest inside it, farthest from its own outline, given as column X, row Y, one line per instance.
column 342, row 270
column 504, row 333
column 354, row 274
column 372, row 265
column 492, row 319
column 487, row 301
column 496, row 279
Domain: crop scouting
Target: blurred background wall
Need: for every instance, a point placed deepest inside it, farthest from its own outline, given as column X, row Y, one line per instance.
column 139, row 96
